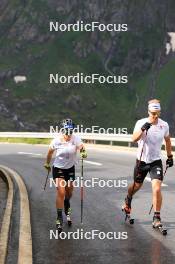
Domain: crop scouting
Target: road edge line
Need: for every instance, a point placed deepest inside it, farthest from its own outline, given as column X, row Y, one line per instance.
column 25, row 238
column 5, row 228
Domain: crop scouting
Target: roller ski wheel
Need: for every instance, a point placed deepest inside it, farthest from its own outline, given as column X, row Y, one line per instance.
column 59, row 226
column 160, row 228
column 69, row 221
column 68, row 216
column 157, row 225
column 127, row 212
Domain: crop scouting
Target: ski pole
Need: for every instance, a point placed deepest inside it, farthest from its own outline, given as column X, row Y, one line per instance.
column 82, row 191
column 142, row 150
column 47, row 176
column 163, row 176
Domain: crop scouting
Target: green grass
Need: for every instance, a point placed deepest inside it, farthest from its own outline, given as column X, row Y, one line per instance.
column 165, row 82
column 26, row 140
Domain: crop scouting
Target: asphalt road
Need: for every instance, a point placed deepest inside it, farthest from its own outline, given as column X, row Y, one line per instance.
column 102, row 211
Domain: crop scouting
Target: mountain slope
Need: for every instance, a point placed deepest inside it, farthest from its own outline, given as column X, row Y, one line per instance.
column 28, row 48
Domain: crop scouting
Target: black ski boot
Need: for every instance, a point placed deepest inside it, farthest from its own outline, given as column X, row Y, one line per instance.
column 156, row 224
column 59, row 225
column 68, row 211
column 126, row 208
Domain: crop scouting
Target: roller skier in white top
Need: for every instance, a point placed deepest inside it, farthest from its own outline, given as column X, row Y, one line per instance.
column 66, row 145
column 149, row 133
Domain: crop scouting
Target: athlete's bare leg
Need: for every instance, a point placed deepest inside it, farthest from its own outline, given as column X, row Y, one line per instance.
column 157, row 196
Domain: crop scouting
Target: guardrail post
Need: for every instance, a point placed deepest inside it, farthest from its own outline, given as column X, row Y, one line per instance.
column 129, row 144
column 111, row 143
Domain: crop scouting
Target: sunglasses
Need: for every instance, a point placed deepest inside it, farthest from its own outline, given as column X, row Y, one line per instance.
column 155, row 113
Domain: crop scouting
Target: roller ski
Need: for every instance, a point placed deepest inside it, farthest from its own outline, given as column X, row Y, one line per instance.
column 59, row 226
column 68, row 212
column 68, row 216
column 126, row 208
column 157, row 225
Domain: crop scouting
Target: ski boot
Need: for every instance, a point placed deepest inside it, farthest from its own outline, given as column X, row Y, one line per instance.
column 59, row 225
column 156, row 224
column 69, row 220
column 126, row 208
column 68, row 212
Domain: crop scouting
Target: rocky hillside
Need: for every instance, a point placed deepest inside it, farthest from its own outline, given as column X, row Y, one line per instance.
column 27, row 48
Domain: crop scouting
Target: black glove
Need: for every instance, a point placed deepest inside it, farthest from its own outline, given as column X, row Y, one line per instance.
column 146, row 126
column 169, row 161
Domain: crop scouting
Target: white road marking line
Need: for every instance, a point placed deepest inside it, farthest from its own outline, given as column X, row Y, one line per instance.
column 93, row 163
column 149, row 180
column 29, row 153
column 5, row 228
column 25, row 237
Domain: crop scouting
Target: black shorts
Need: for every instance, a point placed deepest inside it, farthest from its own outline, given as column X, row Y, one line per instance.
column 141, row 170
column 66, row 174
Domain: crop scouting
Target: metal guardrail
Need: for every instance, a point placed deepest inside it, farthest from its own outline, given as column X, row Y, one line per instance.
column 85, row 136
